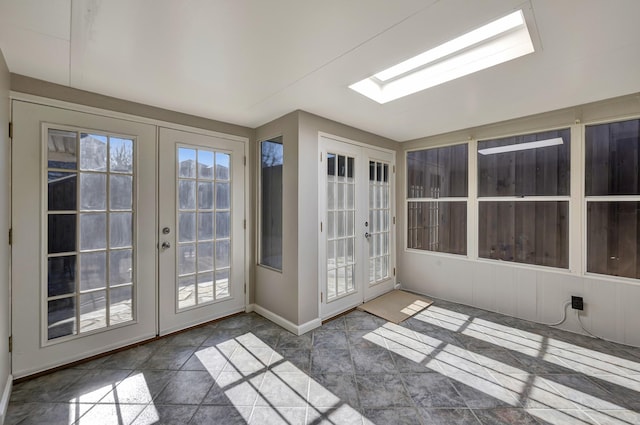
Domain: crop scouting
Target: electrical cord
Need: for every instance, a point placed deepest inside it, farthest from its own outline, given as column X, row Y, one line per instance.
column 564, row 315
column 583, row 328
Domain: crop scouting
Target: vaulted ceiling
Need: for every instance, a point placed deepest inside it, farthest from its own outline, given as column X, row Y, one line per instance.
column 250, row 61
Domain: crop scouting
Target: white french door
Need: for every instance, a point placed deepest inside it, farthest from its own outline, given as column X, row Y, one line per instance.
column 358, row 234
column 201, row 232
column 113, row 241
column 84, row 257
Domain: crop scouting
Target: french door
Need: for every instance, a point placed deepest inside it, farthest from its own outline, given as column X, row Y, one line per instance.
column 202, row 241
column 84, row 257
column 113, row 241
column 358, row 234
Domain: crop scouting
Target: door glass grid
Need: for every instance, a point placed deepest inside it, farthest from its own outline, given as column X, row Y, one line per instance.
column 379, row 215
column 90, row 239
column 341, row 214
column 203, row 205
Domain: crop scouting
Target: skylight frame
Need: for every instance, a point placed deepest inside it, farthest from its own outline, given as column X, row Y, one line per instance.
column 497, row 42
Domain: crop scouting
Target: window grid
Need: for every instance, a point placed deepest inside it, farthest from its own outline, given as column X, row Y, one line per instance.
column 87, row 308
column 203, row 205
column 379, row 216
column 341, row 238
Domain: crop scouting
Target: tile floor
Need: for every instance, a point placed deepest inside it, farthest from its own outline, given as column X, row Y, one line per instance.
column 450, row 364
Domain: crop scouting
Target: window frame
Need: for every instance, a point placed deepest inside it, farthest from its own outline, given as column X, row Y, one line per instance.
column 584, row 200
column 260, row 204
column 466, row 199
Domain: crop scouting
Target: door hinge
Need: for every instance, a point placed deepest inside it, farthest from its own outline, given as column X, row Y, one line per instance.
column 321, row 297
column 11, row 343
column 394, row 271
column 321, row 227
column 244, row 160
column 245, row 287
column 394, row 220
column 10, row 236
column 244, row 224
column 320, row 156
column 10, row 130
column 394, row 169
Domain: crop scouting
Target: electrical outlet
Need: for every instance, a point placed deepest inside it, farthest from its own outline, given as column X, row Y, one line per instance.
column 577, row 303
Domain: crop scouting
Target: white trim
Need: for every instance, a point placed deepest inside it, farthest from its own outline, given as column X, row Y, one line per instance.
column 45, row 101
column 84, row 355
column 197, row 322
column 286, row 324
column 353, row 142
column 6, row 396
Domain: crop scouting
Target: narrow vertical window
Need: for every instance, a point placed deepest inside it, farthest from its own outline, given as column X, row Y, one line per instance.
column 437, row 199
column 612, row 191
column 271, row 163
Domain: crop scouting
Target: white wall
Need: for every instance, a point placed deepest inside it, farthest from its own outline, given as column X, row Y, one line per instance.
column 5, row 222
column 532, row 293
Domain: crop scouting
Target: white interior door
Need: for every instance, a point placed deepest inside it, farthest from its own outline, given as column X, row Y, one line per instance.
column 356, row 239
column 84, row 235
column 202, row 241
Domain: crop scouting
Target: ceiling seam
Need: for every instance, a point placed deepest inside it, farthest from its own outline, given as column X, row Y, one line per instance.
column 296, row 81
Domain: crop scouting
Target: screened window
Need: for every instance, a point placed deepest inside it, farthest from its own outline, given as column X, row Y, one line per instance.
column 523, row 194
column 436, row 199
column 612, row 191
column 271, row 162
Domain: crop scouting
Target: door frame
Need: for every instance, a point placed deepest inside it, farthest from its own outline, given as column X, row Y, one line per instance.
column 322, row 260
column 107, row 113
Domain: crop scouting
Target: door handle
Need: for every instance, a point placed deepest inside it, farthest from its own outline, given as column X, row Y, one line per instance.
column 367, row 235
column 165, row 245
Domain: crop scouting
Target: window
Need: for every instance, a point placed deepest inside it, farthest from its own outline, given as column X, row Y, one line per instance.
column 271, row 162
column 203, row 204
column 523, row 194
column 437, row 199
column 90, row 238
column 612, row 191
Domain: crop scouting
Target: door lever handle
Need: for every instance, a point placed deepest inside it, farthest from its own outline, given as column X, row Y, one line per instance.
column 367, row 235
column 165, row 245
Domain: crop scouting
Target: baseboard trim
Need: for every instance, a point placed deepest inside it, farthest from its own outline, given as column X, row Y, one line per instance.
column 288, row 325
column 6, row 396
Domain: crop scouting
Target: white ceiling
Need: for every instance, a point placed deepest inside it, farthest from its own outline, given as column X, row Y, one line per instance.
column 250, row 61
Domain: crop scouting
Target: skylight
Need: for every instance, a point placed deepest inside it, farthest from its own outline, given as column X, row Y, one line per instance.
column 497, row 42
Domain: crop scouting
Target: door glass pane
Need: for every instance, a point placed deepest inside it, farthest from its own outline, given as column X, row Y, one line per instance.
column 120, row 229
column 121, row 305
column 93, row 270
column 341, row 258
column 93, row 231
column 379, row 217
column 120, row 192
column 93, row 311
column 222, row 283
column 61, row 235
column 99, row 266
column 93, row 152
column 204, row 224
column 61, row 191
column 205, row 287
column 121, row 155
column 121, row 267
column 61, row 149
column 61, row 275
column 61, row 317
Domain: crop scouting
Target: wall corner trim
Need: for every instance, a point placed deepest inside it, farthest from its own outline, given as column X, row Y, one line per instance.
column 281, row 321
column 6, row 396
